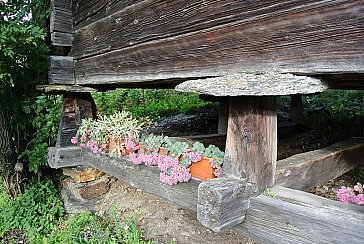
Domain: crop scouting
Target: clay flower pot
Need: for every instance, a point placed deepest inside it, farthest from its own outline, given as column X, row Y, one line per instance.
column 118, row 144
column 202, row 169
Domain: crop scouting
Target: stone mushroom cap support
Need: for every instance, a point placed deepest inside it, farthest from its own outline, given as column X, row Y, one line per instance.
column 251, row 144
column 254, row 84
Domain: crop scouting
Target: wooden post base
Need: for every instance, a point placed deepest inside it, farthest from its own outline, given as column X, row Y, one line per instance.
column 222, row 203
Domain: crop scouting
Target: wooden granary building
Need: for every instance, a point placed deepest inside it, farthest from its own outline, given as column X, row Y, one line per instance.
column 243, row 53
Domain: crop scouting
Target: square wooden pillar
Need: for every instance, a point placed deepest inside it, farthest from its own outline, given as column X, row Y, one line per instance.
column 251, row 144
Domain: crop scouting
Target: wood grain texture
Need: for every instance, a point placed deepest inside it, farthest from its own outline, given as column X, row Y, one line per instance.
column 251, row 84
column 61, row 70
column 64, row 157
column 306, row 37
column 222, row 203
column 305, row 170
column 61, row 26
column 300, row 217
column 251, row 143
column 61, row 39
column 135, row 22
column 86, row 12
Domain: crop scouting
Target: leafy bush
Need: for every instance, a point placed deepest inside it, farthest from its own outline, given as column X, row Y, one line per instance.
column 37, row 211
column 150, row 103
column 113, row 227
column 47, row 113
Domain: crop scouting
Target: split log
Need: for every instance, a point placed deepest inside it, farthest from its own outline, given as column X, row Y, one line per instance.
column 250, row 84
column 61, row 70
column 299, row 217
column 251, row 144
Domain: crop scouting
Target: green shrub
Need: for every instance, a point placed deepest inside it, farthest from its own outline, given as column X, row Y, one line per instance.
column 37, row 211
column 152, row 103
column 112, row 227
column 47, row 114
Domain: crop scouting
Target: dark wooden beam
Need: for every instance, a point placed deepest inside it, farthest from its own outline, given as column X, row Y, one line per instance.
column 61, row 70
column 296, row 107
column 61, row 26
column 216, row 38
column 251, row 144
column 299, row 217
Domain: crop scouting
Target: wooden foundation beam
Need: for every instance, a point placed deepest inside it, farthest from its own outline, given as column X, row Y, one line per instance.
column 298, row 217
column 251, row 143
column 305, row 170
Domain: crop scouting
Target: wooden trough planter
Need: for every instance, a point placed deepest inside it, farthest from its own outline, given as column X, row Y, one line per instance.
column 293, row 216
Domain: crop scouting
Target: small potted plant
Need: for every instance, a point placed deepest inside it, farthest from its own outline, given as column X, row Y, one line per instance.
column 122, row 127
column 114, row 134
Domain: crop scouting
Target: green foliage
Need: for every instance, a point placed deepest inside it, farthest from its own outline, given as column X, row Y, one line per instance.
column 38, row 211
column 113, row 227
column 268, row 192
column 150, row 103
column 23, row 65
column 47, row 113
column 349, row 104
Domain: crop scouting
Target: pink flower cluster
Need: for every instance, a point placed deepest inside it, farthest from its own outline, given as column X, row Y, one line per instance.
column 93, row 145
column 171, row 171
column 130, row 144
column 347, row 194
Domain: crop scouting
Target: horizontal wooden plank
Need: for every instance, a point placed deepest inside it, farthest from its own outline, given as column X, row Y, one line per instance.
column 151, row 20
column 250, row 84
column 305, row 170
column 89, row 11
column 300, row 217
column 139, row 176
column 318, row 37
column 61, row 70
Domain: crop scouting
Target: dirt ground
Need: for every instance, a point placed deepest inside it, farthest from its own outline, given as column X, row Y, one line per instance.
column 163, row 221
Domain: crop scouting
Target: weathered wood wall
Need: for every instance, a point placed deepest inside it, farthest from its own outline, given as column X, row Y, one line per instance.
column 125, row 41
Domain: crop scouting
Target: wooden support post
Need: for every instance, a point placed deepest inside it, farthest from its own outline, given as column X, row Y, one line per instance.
column 76, row 106
column 251, row 143
column 223, row 117
column 296, row 107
